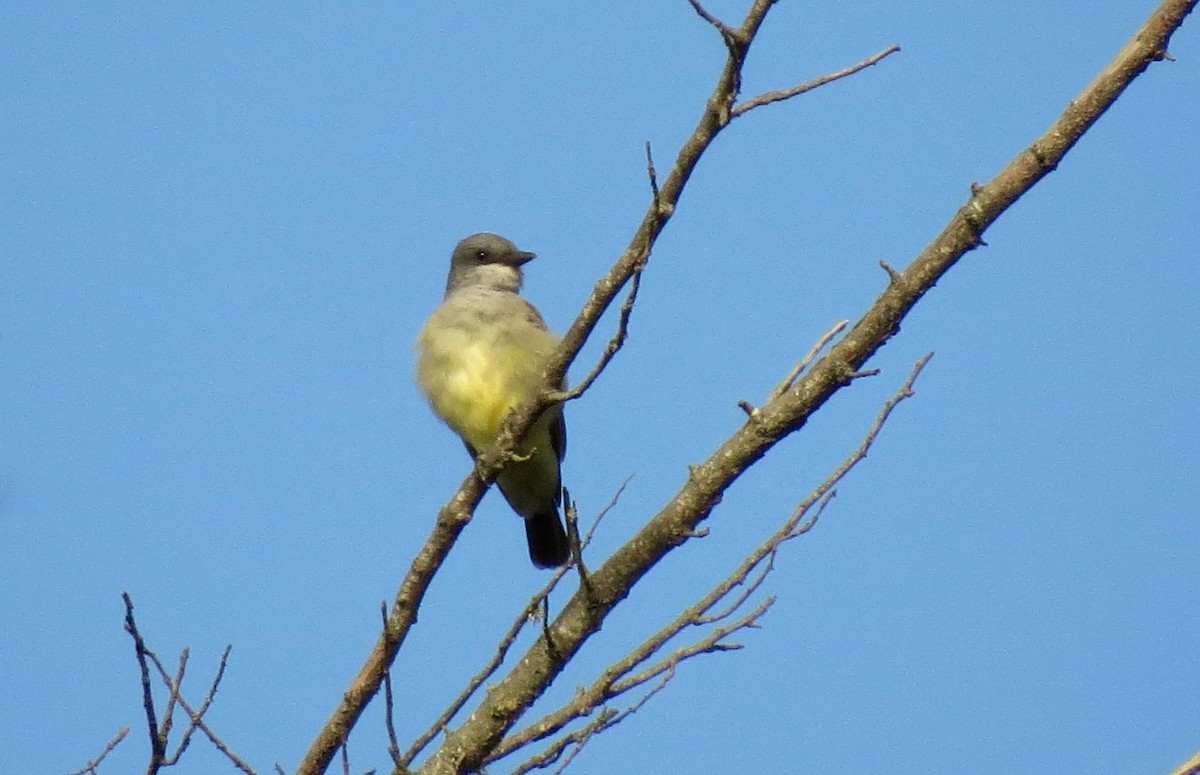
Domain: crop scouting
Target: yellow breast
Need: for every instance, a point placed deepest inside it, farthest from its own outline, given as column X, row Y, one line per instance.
column 474, row 373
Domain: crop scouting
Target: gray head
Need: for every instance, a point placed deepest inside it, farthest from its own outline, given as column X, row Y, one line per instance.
column 486, row 260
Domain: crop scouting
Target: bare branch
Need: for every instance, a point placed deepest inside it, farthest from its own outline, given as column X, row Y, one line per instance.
column 217, row 742
column 159, row 732
column 707, row 645
column 1190, row 767
column 176, row 695
column 576, row 740
column 795, row 373
column 216, row 681
column 158, row 745
column 816, row 83
column 723, row 28
column 196, row 717
column 506, row 641
column 614, row 345
column 168, row 717
column 615, row 679
column 736, row 40
column 607, row 718
column 91, row 768
column 612, row 503
column 824, row 492
column 571, row 516
column 652, row 174
column 388, row 719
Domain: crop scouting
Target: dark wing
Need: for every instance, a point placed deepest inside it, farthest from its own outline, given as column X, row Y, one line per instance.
column 558, row 429
column 558, row 436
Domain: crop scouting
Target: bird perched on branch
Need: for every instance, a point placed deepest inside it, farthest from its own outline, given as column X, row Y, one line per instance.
column 479, row 356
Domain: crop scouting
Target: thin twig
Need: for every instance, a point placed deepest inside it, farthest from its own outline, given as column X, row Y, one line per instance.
column 91, row 767
column 721, row 26
column 174, row 686
column 652, row 173
column 664, row 670
column 809, row 357
column 816, row 83
column 707, row 645
column 571, row 515
column 612, row 503
column 605, row 720
column 825, row 491
column 614, row 681
column 195, row 717
column 216, row 681
column 204, row 706
column 611, row 349
column 388, row 720
column 158, row 746
column 218, row 743
column 174, row 683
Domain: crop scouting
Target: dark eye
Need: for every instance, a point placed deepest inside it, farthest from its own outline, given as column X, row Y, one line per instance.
column 481, row 254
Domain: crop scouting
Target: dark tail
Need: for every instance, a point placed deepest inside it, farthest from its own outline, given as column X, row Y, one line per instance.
column 548, row 545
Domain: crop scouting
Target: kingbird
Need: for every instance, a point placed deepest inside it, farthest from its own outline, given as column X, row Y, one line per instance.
column 479, row 356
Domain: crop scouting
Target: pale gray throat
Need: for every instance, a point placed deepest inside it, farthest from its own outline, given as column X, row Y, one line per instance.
column 496, row 277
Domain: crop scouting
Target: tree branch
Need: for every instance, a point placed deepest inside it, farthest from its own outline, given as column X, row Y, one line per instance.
column 160, row 731
column 1190, row 767
column 158, row 745
column 796, row 91
column 92, row 767
column 465, row 748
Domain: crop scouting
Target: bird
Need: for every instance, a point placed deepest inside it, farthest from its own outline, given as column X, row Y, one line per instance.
column 480, row 355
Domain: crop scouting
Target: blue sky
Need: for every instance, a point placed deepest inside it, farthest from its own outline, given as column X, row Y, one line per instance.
column 224, row 226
